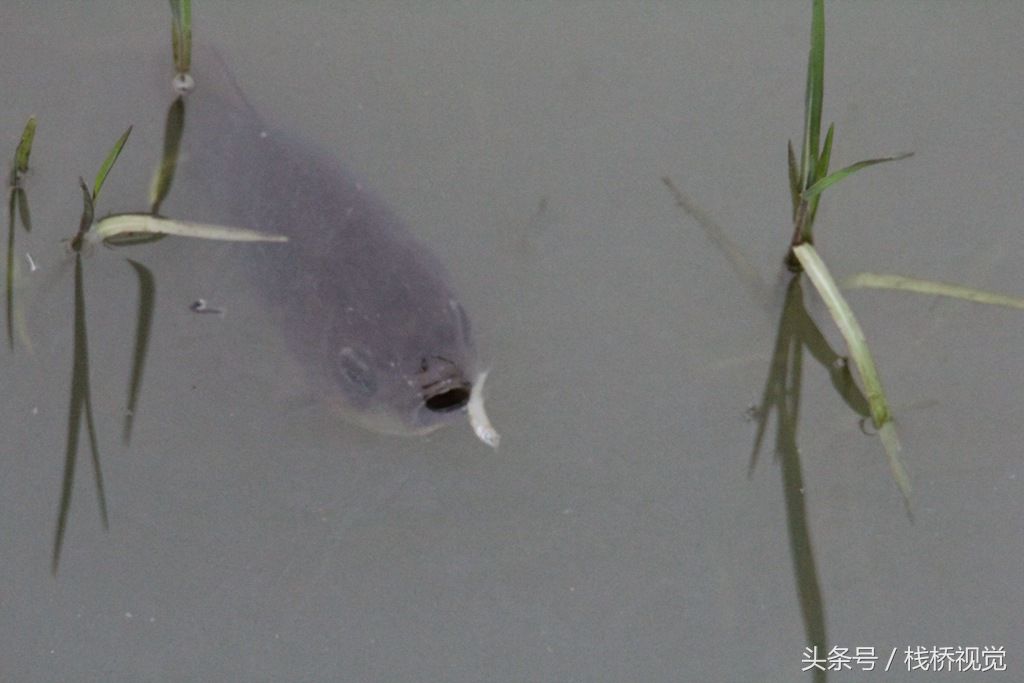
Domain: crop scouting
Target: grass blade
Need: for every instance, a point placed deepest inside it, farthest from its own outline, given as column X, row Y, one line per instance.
column 9, row 289
column 794, row 176
column 850, row 328
column 820, row 171
column 815, row 94
column 181, row 34
column 21, row 199
column 162, row 179
column 144, row 317
column 891, row 443
column 24, row 149
column 828, row 181
column 75, row 413
column 131, row 225
column 101, row 175
column 908, row 284
column 88, row 211
column 861, row 355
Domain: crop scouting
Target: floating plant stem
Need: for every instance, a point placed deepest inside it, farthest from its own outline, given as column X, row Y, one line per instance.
column 127, row 227
column 909, row 284
column 859, row 352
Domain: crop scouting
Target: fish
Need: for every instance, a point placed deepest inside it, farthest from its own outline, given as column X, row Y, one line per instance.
column 365, row 306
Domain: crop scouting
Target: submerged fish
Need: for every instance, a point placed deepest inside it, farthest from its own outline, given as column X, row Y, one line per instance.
column 366, row 307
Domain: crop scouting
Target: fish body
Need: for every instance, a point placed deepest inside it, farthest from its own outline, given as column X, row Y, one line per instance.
column 365, row 306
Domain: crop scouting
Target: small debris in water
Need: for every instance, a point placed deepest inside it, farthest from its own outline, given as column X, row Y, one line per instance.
column 183, row 84
column 478, row 416
column 32, row 267
column 200, row 306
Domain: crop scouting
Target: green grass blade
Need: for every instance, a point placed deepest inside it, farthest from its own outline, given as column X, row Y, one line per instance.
column 806, row 154
column 21, row 199
column 794, row 176
column 24, row 148
column 815, row 93
column 101, row 175
column 821, row 169
column 908, row 284
column 828, row 181
column 181, row 34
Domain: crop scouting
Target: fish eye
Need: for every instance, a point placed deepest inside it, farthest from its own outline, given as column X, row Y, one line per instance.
column 354, row 373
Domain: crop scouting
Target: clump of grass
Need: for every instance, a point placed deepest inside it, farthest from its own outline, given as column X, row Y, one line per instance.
column 808, row 179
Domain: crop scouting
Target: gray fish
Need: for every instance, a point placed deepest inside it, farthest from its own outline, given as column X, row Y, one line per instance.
column 366, row 308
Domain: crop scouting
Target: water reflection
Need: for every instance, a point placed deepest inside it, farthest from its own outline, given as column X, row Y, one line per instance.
column 797, row 332
column 80, row 401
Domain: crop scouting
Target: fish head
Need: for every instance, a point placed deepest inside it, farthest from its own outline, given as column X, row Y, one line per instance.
column 404, row 374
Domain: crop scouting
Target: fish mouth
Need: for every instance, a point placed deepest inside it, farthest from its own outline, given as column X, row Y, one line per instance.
column 443, row 386
column 448, row 396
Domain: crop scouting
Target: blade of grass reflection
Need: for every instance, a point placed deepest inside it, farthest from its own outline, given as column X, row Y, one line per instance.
column 783, row 393
column 741, row 265
column 775, row 389
column 9, row 302
column 144, row 318
column 164, row 177
column 80, row 405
